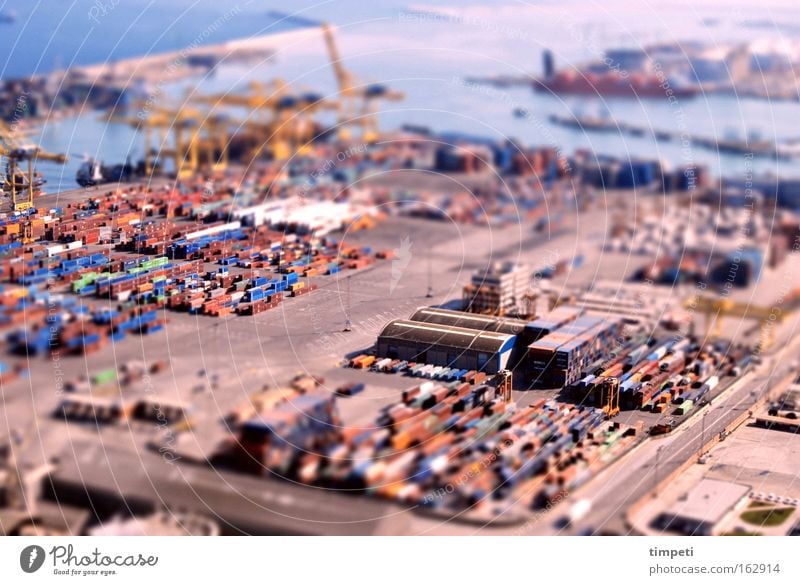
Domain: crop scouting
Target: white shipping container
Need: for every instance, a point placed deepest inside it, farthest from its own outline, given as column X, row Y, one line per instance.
column 234, row 225
column 426, row 388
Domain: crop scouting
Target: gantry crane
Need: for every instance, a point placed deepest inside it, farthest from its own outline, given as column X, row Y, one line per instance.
column 715, row 310
column 198, row 138
column 304, row 128
column 609, row 397
column 276, row 119
column 261, row 99
column 506, row 384
column 22, row 185
column 358, row 101
column 263, row 105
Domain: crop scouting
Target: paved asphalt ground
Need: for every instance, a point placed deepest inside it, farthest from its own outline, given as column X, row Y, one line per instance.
column 217, row 364
column 635, row 475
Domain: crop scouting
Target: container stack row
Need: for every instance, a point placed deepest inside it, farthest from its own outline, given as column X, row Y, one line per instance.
column 456, row 446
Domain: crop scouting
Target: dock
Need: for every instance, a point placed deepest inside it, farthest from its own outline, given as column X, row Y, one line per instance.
column 757, row 148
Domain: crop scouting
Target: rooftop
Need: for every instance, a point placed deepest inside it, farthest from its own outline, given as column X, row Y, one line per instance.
column 447, row 335
column 710, row 500
column 438, row 316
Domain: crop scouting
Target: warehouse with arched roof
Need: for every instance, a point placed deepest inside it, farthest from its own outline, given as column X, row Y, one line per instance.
column 446, row 345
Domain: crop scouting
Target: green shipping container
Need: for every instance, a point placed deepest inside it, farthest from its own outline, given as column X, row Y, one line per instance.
column 105, row 376
column 685, row 406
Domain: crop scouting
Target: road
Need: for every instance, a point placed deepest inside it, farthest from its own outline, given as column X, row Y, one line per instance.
column 115, row 477
column 636, row 474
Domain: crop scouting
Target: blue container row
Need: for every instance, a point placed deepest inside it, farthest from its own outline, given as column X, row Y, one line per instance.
column 183, row 248
column 68, row 266
column 264, row 287
column 8, row 247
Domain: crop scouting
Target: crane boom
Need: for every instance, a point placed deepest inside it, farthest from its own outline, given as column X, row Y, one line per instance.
column 343, row 76
column 351, row 91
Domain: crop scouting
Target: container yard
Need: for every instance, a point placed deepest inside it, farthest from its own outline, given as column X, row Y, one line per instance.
column 294, row 285
column 447, row 447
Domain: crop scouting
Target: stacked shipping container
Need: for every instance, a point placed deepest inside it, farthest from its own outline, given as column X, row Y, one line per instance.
column 560, row 357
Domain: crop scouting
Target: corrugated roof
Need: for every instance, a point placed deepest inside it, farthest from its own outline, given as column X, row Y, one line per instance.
column 568, row 333
column 468, row 320
column 556, row 317
column 597, row 329
column 432, row 334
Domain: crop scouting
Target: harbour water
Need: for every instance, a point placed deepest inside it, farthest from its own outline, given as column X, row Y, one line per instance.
column 427, row 51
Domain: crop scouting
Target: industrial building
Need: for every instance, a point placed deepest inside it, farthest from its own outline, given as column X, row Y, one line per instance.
column 703, row 508
column 439, row 316
column 444, row 337
column 555, row 347
column 445, row 345
column 547, row 324
column 500, row 289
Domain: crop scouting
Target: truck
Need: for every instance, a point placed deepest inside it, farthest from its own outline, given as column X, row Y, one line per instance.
column 663, row 428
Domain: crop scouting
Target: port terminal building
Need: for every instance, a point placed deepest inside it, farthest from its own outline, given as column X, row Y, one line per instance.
column 552, row 347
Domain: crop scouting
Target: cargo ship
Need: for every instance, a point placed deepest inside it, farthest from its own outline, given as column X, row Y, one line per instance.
column 601, row 79
column 93, row 172
column 610, row 84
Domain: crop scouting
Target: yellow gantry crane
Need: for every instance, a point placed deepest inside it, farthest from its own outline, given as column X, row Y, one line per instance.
column 304, row 127
column 714, row 310
column 198, row 138
column 263, row 99
column 22, row 184
column 276, row 119
column 264, row 106
column 358, row 101
column 609, row 397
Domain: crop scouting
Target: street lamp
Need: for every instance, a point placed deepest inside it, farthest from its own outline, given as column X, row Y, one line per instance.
column 655, row 483
column 347, row 324
column 429, row 294
column 702, row 438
